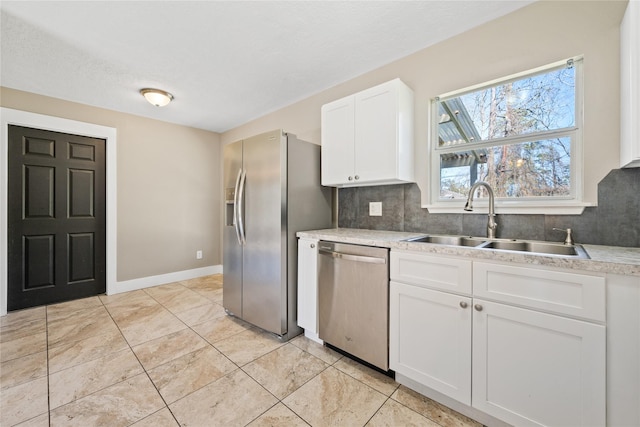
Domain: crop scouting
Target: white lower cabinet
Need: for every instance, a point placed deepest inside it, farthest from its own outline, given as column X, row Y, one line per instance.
column 537, row 369
column 430, row 338
column 513, row 356
column 308, row 286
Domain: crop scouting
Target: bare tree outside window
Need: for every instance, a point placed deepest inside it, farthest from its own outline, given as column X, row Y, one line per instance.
column 517, row 135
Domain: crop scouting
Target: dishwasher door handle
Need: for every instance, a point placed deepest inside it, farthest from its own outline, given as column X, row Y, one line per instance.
column 349, row 257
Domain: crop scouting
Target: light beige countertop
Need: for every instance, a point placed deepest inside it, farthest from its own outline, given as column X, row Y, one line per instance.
column 604, row 259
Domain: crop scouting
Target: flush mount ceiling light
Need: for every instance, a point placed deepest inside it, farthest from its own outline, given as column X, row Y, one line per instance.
column 157, row 97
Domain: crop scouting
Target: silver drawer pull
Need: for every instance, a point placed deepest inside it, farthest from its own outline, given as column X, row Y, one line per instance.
column 349, row 257
column 478, row 307
column 463, row 304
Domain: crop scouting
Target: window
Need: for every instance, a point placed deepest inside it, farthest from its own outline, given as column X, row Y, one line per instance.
column 521, row 134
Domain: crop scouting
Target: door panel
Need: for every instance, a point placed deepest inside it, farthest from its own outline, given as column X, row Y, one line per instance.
column 232, row 251
column 38, row 261
column 81, row 198
column 376, row 133
column 338, row 141
column 264, row 260
column 39, row 191
column 81, row 265
column 56, row 217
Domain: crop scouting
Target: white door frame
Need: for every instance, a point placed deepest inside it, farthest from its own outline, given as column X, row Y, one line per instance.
column 10, row 116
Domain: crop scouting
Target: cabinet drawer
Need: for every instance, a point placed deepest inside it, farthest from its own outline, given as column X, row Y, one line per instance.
column 438, row 272
column 567, row 293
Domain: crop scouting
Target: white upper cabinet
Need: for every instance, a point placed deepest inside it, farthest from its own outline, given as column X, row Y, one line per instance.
column 367, row 138
column 630, row 86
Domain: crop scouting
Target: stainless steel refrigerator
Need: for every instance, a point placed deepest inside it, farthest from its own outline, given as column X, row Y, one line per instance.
column 272, row 190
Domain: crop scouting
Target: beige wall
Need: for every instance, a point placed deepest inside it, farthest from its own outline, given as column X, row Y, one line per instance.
column 536, row 35
column 169, row 176
column 168, row 189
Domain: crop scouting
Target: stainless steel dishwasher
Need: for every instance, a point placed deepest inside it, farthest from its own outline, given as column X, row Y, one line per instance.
column 353, row 300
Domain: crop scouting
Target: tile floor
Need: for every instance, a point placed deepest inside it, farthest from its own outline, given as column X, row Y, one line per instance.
column 168, row 356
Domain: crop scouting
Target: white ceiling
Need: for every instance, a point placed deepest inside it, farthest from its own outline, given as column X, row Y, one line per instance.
column 226, row 62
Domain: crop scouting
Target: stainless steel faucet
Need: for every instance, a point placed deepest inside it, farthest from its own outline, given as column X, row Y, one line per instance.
column 491, row 223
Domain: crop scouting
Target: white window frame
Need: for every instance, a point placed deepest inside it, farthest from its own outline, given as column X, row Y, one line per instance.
column 566, row 205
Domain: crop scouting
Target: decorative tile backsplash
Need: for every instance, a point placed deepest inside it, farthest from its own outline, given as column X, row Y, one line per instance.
column 614, row 222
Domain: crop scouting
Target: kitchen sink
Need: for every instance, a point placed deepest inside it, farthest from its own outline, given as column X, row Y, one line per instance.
column 536, row 247
column 449, row 240
column 529, row 246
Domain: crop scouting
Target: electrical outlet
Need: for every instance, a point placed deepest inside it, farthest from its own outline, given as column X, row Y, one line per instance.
column 375, row 208
column 198, row 254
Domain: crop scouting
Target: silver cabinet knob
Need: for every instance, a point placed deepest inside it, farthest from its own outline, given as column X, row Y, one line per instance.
column 357, row 177
column 478, row 307
column 463, row 304
column 312, row 245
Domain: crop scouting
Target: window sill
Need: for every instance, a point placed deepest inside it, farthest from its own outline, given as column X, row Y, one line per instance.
column 570, row 207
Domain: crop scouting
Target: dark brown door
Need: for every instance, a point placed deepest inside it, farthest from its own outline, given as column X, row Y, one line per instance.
column 56, row 217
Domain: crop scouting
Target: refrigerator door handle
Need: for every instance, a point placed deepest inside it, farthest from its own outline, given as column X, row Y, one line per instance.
column 235, row 206
column 241, row 208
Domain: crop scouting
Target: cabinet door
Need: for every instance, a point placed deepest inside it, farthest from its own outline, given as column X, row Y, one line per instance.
column 430, row 339
column 337, row 136
column 532, row 368
column 376, row 133
column 630, row 86
column 308, row 285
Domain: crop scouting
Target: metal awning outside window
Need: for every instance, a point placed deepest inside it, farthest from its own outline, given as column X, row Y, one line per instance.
column 455, row 127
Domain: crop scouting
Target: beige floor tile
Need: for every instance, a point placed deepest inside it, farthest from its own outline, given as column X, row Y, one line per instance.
column 211, row 289
column 19, row 317
column 23, row 402
column 190, row 372
column 23, row 370
column 164, row 293
column 81, row 380
column 344, row 400
column 201, row 314
column 233, row 400
column 147, row 324
column 125, row 298
column 370, row 377
column 247, row 346
column 125, row 312
column 284, row 370
column 75, row 353
column 431, row 409
column 214, row 295
column 185, row 300
column 69, row 309
column 220, row 328
column 393, row 414
column 95, row 378
column 88, row 323
column 279, row 415
column 39, row 421
column 318, row 350
column 162, row 418
column 204, row 283
column 23, row 346
column 164, row 349
column 16, row 330
column 118, row 405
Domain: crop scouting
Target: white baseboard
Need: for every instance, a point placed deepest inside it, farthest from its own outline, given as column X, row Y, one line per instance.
column 147, row 282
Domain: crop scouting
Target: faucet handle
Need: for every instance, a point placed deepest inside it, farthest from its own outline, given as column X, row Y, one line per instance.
column 569, row 239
